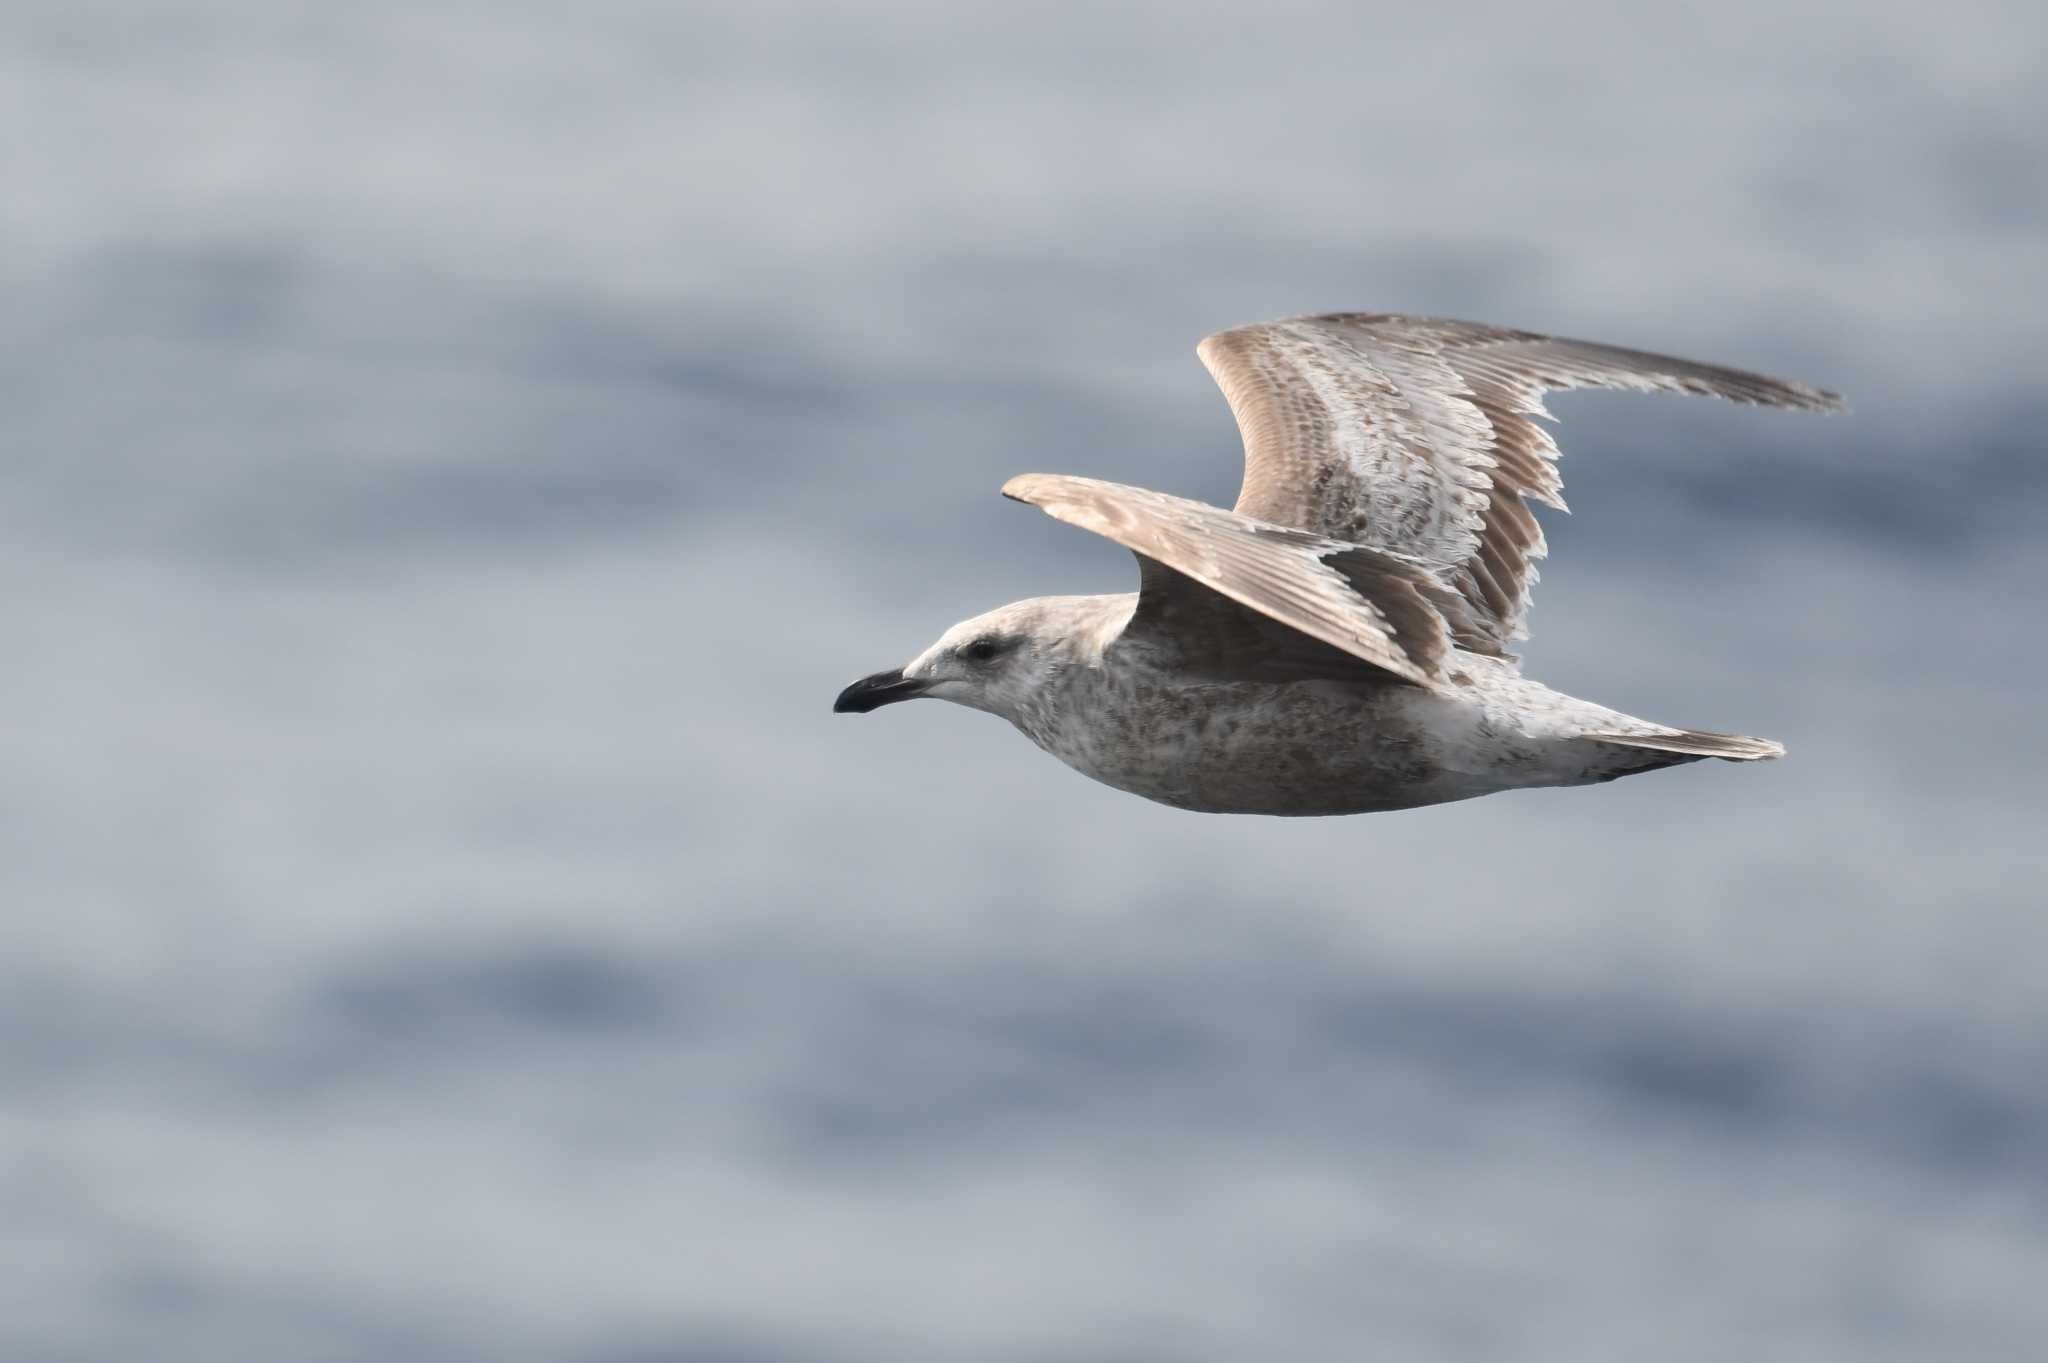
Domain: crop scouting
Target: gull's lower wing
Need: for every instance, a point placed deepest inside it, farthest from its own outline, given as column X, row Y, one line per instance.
column 1375, row 607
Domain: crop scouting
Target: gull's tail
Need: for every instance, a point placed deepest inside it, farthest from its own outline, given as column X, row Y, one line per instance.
column 1698, row 743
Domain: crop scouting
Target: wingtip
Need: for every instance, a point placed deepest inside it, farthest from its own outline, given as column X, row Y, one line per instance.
column 1044, row 490
column 1024, row 488
column 1826, row 401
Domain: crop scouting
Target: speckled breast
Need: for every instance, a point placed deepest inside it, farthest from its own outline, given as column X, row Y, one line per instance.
column 1298, row 748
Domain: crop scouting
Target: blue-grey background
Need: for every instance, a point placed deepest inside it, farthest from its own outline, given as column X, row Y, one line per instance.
column 455, row 452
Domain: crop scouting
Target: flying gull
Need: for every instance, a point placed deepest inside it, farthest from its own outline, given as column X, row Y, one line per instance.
column 1337, row 643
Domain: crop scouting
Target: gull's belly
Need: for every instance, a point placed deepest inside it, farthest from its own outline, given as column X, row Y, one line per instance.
column 1294, row 749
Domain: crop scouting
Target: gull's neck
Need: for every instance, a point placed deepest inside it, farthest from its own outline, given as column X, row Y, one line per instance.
column 1076, row 677
column 1097, row 621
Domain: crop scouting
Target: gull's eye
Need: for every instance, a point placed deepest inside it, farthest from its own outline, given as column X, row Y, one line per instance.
column 982, row 650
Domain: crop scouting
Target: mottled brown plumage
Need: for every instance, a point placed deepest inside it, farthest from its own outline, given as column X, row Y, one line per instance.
column 1338, row 642
column 1419, row 436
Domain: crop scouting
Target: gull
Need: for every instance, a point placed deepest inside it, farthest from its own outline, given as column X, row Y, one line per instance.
column 1338, row 642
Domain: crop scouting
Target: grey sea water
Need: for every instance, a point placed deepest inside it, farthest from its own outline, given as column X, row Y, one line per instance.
column 453, row 454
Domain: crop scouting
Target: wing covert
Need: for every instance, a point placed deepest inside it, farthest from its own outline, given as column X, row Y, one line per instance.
column 1420, row 436
column 1375, row 607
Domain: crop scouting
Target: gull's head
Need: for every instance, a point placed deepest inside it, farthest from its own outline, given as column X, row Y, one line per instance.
column 995, row 662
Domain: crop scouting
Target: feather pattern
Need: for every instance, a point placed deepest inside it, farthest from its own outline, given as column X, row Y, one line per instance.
column 1420, row 437
column 1367, row 605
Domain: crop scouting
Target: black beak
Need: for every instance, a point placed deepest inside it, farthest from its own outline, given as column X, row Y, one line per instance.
column 872, row 693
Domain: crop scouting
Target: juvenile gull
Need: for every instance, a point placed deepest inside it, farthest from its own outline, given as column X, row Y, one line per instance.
column 1337, row 643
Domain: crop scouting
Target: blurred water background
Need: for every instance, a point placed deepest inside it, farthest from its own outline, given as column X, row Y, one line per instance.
column 455, row 452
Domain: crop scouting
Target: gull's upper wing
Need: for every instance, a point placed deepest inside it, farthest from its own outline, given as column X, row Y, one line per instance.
column 1215, row 583
column 1419, row 436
